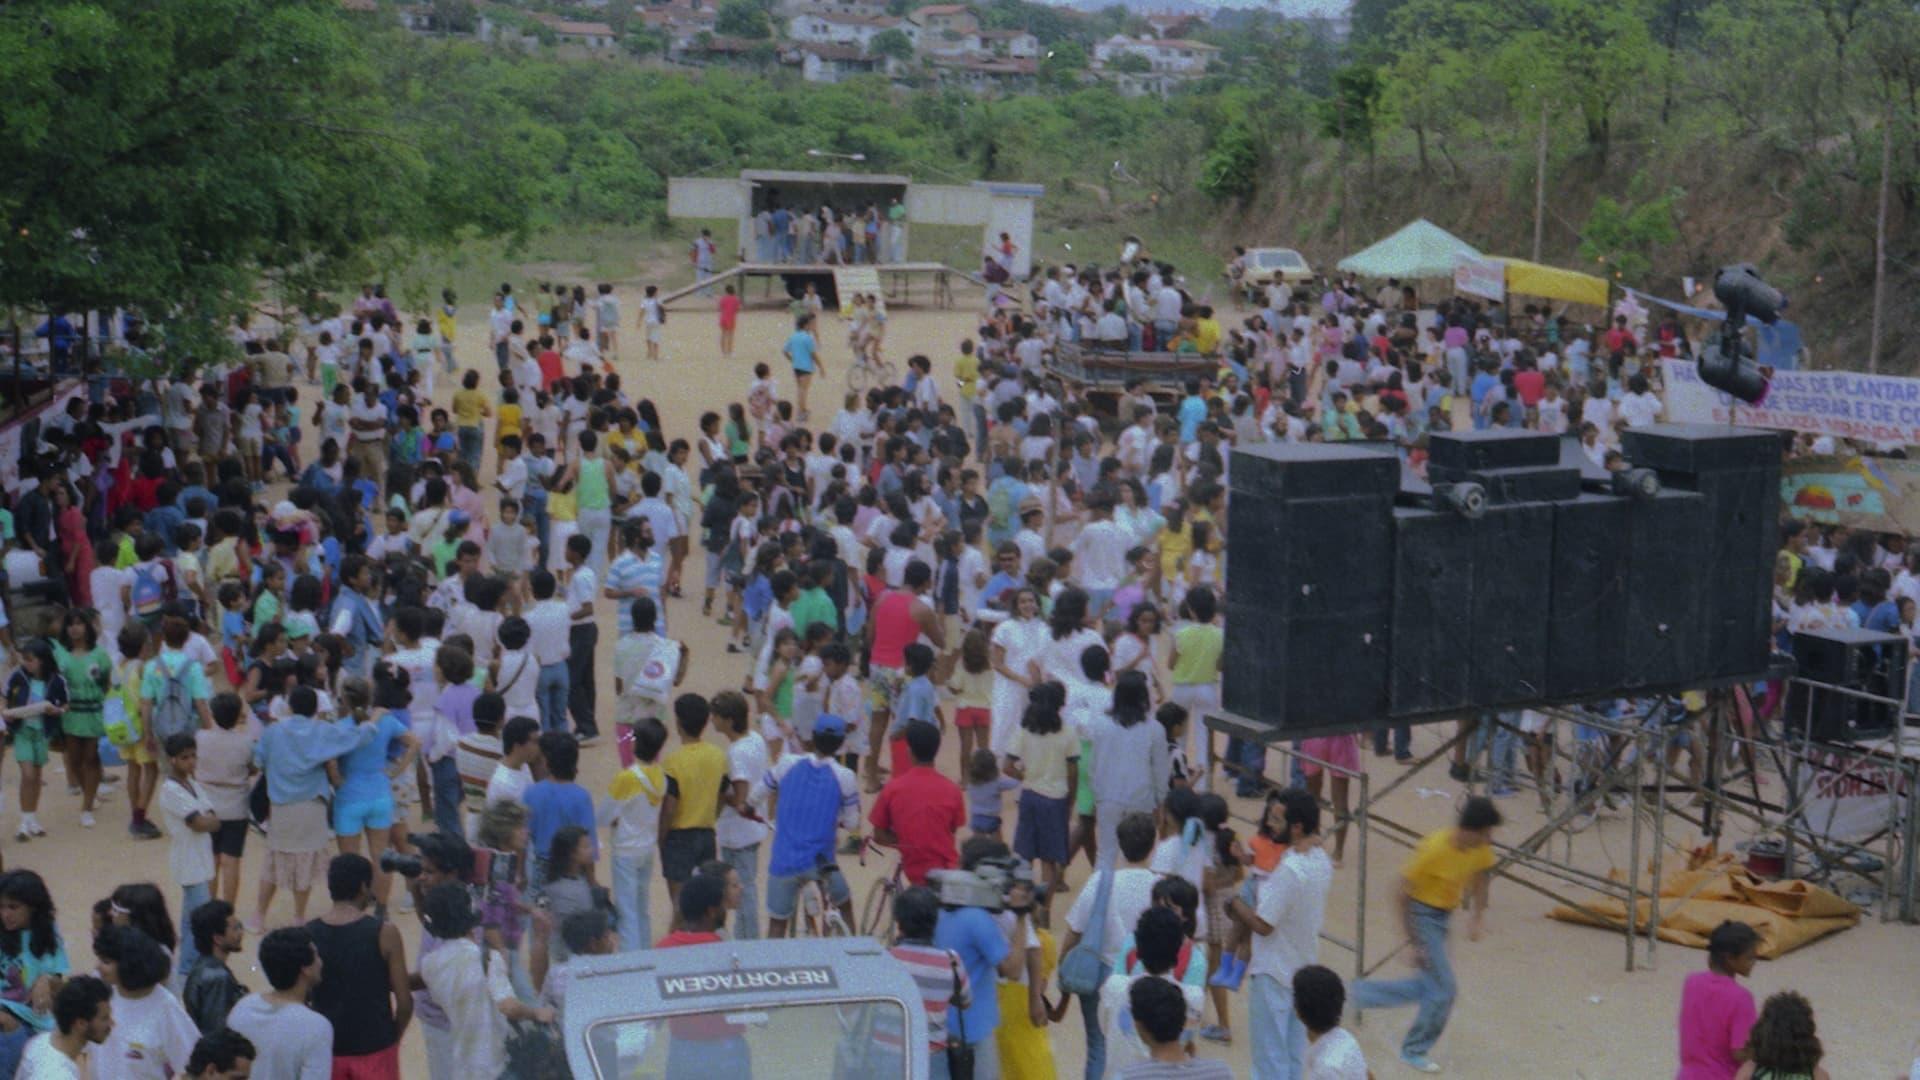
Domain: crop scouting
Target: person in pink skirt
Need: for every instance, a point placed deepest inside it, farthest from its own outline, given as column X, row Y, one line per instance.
column 1342, row 751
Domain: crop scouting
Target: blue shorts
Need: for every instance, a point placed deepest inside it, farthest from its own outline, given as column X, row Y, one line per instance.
column 351, row 818
column 783, row 892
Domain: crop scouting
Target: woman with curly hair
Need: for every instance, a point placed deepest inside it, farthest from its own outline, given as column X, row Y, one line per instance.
column 1783, row 1044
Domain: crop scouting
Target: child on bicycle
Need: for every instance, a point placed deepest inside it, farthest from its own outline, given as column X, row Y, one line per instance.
column 816, row 798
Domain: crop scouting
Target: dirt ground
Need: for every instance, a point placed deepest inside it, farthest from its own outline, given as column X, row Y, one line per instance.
column 1538, row 998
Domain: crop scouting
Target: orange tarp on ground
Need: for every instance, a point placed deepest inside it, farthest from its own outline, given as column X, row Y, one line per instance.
column 1787, row 914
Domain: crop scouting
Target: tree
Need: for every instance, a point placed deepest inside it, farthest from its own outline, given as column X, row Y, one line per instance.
column 646, row 41
column 168, row 155
column 1426, row 90
column 892, row 43
column 1350, row 115
column 1063, row 63
column 1623, row 236
column 1232, row 168
column 742, row 19
column 1130, row 64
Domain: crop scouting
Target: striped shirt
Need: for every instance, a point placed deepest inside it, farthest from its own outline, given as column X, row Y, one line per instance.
column 942, row 981
column 817, row 797
column 630, row 571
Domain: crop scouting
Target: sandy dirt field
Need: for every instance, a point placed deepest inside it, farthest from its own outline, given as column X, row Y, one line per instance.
column 1538, row 998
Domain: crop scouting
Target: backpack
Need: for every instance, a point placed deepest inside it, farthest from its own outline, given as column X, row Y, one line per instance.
column 152, row 588
column 173, row 711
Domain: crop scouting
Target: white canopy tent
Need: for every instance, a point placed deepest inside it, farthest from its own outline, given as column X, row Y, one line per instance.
column 1420, row 249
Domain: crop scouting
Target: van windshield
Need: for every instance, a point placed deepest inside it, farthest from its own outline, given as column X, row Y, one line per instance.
column 1278, row 260
column 842, row 1040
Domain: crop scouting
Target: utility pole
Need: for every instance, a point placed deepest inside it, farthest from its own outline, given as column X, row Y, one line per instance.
column 1880, row 236
column 1340, row 118
column 1540, row 182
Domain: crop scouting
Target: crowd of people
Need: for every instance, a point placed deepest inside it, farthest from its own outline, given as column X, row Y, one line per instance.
column 408, row 629
column 825, row 235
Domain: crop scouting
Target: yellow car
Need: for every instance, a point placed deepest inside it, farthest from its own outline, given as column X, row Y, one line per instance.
column 1264, row 266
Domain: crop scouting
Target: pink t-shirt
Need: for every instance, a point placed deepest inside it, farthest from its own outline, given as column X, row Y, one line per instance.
column 1715, row 1013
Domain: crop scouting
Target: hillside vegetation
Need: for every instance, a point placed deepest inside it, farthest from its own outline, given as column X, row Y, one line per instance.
column 1679, row 135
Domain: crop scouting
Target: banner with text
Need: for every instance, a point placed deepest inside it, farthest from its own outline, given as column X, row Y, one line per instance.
column 1480, row 277
column 1844, row 404
column 848, row 280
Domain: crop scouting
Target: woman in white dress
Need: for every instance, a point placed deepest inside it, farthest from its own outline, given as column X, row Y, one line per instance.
column 1069, row 636
column 1015, row 646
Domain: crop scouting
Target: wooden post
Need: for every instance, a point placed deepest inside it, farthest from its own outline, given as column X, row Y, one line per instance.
column 1880, row 238
column 1540, row 182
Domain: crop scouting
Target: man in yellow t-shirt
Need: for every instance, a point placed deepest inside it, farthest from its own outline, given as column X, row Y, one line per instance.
column 469, row 409
column 1448, row 868
column 697, row 768
column 966, row 372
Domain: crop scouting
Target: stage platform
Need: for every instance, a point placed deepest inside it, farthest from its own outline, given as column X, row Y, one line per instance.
column 896, row 280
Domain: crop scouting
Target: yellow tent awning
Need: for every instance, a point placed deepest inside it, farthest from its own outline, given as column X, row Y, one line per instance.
column 1533, row 279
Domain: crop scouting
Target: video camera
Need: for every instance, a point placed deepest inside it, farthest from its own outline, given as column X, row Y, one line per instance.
column 987, row 885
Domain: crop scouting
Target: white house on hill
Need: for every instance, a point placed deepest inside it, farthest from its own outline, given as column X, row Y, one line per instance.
column 833, row 29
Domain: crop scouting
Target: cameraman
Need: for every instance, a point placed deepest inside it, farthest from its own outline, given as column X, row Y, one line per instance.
column 445, row 859
column 981, row 940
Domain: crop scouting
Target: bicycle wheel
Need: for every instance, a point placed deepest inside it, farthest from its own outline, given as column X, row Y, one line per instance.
column 859, row 377
column 887, row 372
column 876, row 914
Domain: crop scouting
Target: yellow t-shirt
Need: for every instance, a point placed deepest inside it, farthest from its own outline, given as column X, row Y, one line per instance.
column 1206, row 335
column 697, row 769
column 468, row 407
column 1175, row 546
column 508, row 422
column 626, row 785
column 443, row 322
column 1439, row 871
column 967, row 370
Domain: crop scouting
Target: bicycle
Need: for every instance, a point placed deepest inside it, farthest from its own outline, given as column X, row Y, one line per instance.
column 814, row 913
column 876, row 911
column 864, row 373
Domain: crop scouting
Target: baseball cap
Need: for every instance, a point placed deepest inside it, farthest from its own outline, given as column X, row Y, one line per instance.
column 829, row 724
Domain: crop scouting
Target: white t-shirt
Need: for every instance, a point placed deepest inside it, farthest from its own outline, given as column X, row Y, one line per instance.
column 1132, row 894
column 1293, row 900
column 1336, row 1056
column 508, row 784
column 189, row 853
column 1172, row 857
column 152, row 1038
column 471, row 999
column 1100, row 555
column 106, row 583
column 1640, row 410
column 518, row 676
column 747, row 759
column 44, row 1061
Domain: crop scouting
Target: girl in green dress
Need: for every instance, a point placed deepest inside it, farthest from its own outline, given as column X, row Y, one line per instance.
column 88, row 669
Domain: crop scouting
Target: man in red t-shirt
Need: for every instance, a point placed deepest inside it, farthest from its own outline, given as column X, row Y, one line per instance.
column 1529, row 383
column 1620, row 340
column 703, row 910
column 920, row 811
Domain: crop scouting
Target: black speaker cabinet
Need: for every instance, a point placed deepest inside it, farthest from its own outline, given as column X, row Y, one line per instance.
column 1495, row 448
column 1433, row 575
column 1306, row 676
column 1861, row 660
column 1586, row 622
column 1512, row 591
column 1664, row 636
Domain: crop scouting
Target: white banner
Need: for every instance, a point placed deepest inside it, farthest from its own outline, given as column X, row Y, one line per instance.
column 1847, row 798
column 1481, row 277
column 1844, row 404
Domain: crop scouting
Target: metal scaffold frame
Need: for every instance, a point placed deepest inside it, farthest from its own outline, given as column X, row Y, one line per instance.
column 1628, row 755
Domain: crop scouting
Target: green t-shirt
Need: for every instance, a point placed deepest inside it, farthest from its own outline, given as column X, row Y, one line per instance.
column 812, row 606
column 266, row 609
column 1199, row 646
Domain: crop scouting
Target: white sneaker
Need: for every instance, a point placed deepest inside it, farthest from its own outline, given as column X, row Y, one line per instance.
column 86, row 820
column 35, row 829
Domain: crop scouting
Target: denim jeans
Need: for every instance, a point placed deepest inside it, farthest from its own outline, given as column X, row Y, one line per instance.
column 448, row 795
column 1163, row 331
column 1505, row 736
column 473, row 441
column 1096, row 1039
column 1279, row 1039
column 1433, row 989
column 550, row 691
column 632, row 877
column 1402, row 740
column 746, row 864
column 191, row 897
column 581, row 639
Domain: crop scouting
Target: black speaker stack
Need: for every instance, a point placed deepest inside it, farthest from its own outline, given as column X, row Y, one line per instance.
column 1848, row 659
column 1358, row 597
